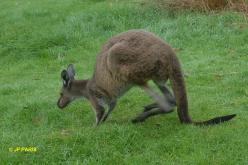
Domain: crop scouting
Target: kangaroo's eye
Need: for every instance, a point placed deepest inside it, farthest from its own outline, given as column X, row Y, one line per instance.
column 61, row 94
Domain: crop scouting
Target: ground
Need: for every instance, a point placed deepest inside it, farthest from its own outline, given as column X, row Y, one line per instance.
column 40, row 38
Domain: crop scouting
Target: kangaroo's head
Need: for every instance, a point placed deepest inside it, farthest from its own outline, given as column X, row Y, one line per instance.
column 66, row 94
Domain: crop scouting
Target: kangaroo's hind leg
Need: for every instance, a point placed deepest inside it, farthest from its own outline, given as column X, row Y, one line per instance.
column 167, row 94
column 164, row 105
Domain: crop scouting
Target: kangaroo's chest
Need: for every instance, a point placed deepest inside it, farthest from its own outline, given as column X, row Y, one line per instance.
column 122, row 90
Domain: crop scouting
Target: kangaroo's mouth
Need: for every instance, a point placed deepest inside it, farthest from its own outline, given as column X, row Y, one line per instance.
column 61, row 104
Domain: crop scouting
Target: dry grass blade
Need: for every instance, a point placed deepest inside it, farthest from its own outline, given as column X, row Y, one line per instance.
column 205, row 5
column 241, row 6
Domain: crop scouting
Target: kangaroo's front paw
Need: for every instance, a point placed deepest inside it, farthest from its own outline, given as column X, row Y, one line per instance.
column 99, row 117
column 104, row 118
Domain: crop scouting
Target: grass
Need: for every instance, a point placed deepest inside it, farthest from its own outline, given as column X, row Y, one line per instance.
column 39, row 38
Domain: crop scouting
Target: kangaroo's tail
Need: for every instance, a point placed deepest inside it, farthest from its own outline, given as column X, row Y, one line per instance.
column 178, row 85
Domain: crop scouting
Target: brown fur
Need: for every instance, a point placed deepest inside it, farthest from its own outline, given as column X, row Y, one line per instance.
column 130, row 59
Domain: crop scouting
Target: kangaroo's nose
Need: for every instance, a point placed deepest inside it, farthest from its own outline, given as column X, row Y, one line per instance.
column 58, row 104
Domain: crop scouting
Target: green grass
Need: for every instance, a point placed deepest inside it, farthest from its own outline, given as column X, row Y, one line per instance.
column 39, row 38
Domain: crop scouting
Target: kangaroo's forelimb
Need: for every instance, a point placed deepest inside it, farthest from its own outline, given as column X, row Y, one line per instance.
column 111, row 106
column 98, row 108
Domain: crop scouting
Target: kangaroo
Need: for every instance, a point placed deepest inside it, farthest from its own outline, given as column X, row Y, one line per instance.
column 132, row 58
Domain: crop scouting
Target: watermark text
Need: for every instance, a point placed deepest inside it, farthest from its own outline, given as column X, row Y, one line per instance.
column 23, row 149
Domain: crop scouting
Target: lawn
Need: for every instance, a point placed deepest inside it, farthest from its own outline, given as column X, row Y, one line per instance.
column 40, row 38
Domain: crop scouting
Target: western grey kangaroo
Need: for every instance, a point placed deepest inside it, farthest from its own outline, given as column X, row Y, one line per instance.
column 130, row 59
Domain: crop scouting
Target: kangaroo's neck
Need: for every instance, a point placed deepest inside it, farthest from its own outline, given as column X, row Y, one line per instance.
column 79, row 88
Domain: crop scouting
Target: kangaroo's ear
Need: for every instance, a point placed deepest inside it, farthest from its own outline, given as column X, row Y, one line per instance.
column 65, row 78
column 71, row 71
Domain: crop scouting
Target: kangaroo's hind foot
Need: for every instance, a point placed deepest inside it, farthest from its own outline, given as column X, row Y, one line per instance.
column 143, row 116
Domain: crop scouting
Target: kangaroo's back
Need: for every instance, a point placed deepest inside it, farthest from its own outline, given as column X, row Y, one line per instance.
column 135, row 56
